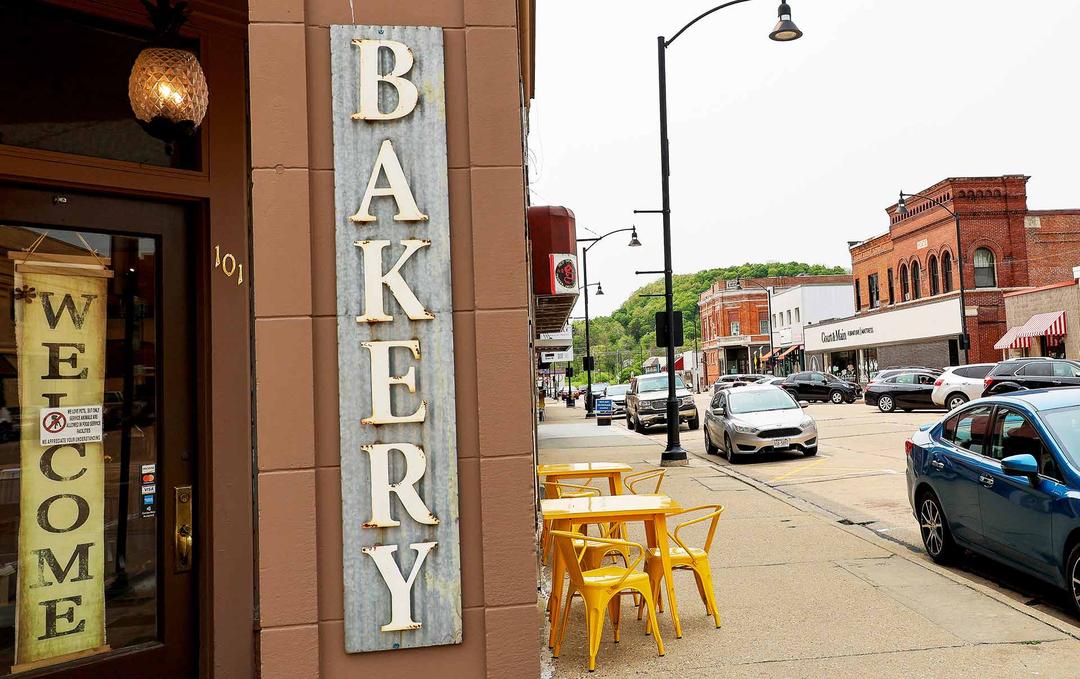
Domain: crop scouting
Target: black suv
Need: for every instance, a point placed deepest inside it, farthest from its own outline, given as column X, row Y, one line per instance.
column 1030, row 373
column 819, row 386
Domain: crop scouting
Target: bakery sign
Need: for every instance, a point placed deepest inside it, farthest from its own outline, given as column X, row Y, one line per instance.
column 398, row 437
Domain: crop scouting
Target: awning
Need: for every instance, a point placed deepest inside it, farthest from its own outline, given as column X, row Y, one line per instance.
column 767, row 354
column 1012, row 339
column 789, row 350
column 1050, row 324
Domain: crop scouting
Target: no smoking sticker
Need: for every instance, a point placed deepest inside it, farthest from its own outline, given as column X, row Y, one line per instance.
column 72, row 424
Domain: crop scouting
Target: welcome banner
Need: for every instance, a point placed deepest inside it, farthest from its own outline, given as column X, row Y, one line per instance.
column 60, row 309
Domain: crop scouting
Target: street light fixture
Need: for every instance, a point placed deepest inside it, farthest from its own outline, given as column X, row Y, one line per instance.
column 785, row 31
column 587, row 362
column 964, row 341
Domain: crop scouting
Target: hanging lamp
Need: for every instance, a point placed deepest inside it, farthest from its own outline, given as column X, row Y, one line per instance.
column 167, row 87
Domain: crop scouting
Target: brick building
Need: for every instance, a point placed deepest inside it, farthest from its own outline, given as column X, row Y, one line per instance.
column 914, row 267
column 735, row 320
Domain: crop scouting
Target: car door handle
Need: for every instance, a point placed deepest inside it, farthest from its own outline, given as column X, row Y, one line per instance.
column 987, row 481
column 937, row 464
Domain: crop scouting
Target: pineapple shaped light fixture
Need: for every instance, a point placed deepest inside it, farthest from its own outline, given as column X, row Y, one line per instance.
column 167, row 88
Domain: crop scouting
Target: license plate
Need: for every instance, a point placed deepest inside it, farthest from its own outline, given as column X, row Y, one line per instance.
column 781, row 443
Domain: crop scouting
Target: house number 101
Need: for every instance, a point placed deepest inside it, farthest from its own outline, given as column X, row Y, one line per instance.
column 228, row 264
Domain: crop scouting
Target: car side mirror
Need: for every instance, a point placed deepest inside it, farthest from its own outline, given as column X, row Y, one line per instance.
column 1021, row 465
column 804, row 404
column 719, row 411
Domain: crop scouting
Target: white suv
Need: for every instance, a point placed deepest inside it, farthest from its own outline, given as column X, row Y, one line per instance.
column 960, row 384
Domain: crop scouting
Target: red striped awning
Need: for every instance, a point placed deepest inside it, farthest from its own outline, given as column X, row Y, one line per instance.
column 1050, row 324
column 789, row 350
column 1012, row 339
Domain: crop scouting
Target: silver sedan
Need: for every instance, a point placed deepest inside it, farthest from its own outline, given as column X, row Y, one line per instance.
column 756, row 419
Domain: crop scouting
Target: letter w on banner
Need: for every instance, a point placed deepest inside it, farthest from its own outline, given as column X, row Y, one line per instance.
column 60, row 337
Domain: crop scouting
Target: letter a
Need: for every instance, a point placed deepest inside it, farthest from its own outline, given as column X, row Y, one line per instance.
column 387, row 161
column 400, row 589
column 405, row 489
column 370, row 79
column 374, row 280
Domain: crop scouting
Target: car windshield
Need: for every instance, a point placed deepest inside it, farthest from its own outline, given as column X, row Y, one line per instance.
column 657, row 383
column 1065, row 424
column 759, row 401
column 618, row 389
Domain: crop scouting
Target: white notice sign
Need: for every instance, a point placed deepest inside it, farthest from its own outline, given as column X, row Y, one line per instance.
column 73, row 424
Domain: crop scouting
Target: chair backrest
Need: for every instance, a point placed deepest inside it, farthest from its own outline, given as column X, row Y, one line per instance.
column 631, row 481
column 564, row 489
column 713, row 516
column 564, row 542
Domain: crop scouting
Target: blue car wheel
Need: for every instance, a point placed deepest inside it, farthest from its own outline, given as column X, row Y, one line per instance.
column 1074, row 579
column 935, row 529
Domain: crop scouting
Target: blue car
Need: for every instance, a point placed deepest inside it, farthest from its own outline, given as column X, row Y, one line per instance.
column 1001, row 477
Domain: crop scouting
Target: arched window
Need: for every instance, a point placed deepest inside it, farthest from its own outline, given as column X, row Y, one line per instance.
column 985, row 274
column 932, row 274
column 916, row 280
column 905, row 289
column 946, row 272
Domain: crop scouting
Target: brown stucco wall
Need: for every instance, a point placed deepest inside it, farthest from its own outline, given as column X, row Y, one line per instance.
column 299, row 500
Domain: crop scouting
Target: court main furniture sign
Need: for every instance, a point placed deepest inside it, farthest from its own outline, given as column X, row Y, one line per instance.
column 399, row 487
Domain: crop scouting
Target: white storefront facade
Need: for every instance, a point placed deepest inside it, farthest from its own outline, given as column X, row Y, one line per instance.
column 796, row 307
column 916, row 333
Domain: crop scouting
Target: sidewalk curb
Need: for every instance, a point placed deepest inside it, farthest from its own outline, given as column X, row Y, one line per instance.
column 894, row 548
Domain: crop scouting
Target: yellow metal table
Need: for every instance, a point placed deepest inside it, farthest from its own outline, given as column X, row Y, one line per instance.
column 612, row 471
column 568, row 513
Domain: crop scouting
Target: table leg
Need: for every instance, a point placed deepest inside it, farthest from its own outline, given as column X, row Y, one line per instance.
column 614, row 480
column 661, row 539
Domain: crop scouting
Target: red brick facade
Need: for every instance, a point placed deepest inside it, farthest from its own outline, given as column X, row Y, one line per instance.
column 1028, row 247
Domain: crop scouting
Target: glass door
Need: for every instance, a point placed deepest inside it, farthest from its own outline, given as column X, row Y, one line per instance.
column 98, row 437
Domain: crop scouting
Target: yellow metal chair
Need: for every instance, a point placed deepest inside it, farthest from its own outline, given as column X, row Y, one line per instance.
column 600, row 588
column 631, row 481
column 688, row 558
column 562, row 489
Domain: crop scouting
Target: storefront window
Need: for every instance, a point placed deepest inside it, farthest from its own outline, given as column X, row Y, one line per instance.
column 65, row 58
column 734, row 328
column 985, row 274
column 869, row 364
column 78, row 519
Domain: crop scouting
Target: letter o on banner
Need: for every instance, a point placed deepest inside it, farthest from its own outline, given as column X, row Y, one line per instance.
column 81, row 507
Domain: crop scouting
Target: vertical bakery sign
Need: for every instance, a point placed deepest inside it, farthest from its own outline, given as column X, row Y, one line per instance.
column 60, row 304
column 398, row 434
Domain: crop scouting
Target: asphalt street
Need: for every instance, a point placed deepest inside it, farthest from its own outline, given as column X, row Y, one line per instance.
column 858, row 476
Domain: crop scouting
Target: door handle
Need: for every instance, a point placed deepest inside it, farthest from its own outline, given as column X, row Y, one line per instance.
column 937, row 464
column 987, row 481
column 184, row 537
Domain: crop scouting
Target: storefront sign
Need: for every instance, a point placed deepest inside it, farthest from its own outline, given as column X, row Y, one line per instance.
column 557, row 356
column 60, row 337
column 564, row 278
column 395, row 339
column 893, row 326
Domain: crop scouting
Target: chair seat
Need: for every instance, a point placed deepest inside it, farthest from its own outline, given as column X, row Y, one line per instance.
column 609, row 575
column 678, row 554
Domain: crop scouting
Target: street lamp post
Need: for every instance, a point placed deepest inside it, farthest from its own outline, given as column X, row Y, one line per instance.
column 634, row 243
column 964, row 341
column 768, row 301
column 784, row 31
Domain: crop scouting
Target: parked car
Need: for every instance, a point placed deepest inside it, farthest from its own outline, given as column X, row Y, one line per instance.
column 905, row 391
column 1001, row 477
column 959, row 384
column 617, row 394
column 769, row 379
column 736, row 380
column 1030, row 373
column 755, row 419
column 897, row 370
column 646, row 402
column 818, row 386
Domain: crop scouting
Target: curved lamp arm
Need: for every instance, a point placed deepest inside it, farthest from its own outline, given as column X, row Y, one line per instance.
column 700, row 17
column 935, row 201
column 593, row 241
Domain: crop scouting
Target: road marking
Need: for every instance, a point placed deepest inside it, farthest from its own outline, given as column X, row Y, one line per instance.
column 799, row 470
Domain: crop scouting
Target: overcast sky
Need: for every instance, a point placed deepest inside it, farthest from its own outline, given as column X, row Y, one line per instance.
column 786, row 151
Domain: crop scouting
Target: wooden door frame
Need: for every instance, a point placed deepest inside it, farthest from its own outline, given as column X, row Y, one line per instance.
column 223, row 317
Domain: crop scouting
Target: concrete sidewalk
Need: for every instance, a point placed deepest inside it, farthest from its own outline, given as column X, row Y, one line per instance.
column 800, row 594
